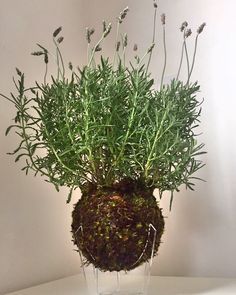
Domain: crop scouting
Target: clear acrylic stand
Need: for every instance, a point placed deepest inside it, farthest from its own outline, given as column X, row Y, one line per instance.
column 134, row 282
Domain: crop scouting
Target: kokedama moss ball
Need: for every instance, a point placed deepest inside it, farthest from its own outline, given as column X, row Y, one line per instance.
column 111, row 226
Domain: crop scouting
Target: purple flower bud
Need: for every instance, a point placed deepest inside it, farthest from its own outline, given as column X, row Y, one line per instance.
column 163, row 18
column 60, row 39
column 135, row 47
column 45, row 57
column 57, row 31
column 18, row 72
column 88, row 35
column 187, row 33
column 98, row 48
column 123, row 15
column 104, row 26
column 108, row 29
column 118, row 46
column 37, row 53
column 70, row 66
column 125, row 40
column 183, row 26
column 200, row 29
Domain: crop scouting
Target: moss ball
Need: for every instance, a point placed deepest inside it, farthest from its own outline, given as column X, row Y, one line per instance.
column 112, row 230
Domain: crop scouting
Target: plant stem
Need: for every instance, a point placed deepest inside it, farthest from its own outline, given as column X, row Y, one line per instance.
column 67, row 123
column 123, row 56
column 86, row 119
column 154, row 144
column 130, row 122
column 94, row 49
column 45, row 75
column 117, row 36
column 181, row 61
column 142, row 59
column 165, row 56
column 194, row 57
column 59, row 55
column 153, row 38
column 187, row 58
column 88, row 52
column 25, row 136
column 56, row 155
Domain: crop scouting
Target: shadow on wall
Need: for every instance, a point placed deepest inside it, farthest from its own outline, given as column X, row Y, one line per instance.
column 189, row 245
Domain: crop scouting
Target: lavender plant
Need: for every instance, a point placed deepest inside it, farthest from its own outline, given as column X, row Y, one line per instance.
column 106, row 130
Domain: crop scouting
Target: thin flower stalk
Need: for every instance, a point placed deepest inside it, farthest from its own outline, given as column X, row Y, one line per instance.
column 141, row 60
column 165, row 50
column 120, row 20
column 88, row 52
column 187, row 33
column 194, row 57
column 182, row 29
column 124, row 43
column 181, row 61
column 45, row 75
column 199, row 31
column 153, row 35
column 59, row 60
column 116, row 40
column 97, row 45
column 187, row 56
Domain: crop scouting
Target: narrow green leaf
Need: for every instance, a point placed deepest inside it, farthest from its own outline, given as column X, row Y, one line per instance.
column 19, row 156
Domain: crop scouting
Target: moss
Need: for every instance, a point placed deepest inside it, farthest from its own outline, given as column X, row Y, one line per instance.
column 115, row 226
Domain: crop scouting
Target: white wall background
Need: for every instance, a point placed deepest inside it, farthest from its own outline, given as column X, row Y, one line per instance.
column 35, row 239
column 200, row 237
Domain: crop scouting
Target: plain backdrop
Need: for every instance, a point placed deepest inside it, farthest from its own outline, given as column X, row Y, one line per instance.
column 200, row 236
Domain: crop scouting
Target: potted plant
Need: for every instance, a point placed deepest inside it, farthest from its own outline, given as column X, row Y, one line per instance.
column 106, row 130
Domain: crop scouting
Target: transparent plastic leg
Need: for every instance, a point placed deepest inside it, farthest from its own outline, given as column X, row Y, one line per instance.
column 134, row 282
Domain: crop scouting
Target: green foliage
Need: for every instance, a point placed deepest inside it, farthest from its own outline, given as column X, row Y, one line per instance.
column 106, row 123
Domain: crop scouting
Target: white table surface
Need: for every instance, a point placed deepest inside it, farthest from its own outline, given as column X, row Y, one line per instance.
column 75, row 285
